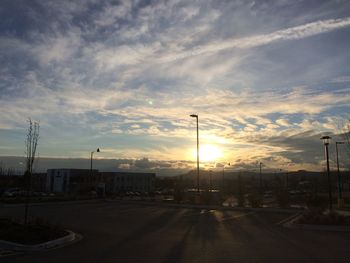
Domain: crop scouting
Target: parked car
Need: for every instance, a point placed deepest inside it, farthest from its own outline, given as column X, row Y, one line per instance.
column 11, row 192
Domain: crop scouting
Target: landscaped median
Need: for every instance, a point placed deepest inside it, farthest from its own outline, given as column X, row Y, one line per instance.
column 35, row 236
column 319, row 220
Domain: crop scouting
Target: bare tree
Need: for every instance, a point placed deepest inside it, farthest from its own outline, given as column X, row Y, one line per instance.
column 346, row 136
column 6, row 171
column 347, row 133
column 2, row 169
column 31, row 144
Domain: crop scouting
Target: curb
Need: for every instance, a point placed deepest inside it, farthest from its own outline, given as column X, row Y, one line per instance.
column 211, row 207
column 12, row 246
column 293, row 225
column 68, row 202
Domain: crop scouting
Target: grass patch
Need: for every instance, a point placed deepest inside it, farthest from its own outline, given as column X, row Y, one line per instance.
column 36, row 232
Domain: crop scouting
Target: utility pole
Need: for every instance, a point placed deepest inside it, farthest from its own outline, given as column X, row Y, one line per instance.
column 326, row 143
column 196, row 116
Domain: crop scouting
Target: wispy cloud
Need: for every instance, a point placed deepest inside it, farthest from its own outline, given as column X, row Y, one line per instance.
column 292, row 33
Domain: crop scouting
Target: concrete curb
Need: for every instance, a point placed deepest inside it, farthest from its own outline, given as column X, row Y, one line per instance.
column 210, row 207
column 293, row 225
column 12, row 246
column 5, row 205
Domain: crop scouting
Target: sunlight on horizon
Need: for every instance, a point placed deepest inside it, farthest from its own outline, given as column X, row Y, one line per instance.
column 208, row 153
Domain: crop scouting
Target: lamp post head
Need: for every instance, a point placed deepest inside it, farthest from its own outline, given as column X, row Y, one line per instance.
column 325, row 139
column 339, row 142
column 194, row 115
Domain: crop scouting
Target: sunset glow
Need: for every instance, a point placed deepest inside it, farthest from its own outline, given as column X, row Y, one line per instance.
column 208, row 153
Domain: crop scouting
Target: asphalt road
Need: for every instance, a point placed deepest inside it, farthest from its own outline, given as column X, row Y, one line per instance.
column 120, row 232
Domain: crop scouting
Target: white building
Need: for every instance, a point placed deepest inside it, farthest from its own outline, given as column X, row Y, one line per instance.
column 67, row 179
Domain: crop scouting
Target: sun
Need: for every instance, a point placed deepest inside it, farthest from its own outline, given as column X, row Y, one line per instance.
column 208, row 153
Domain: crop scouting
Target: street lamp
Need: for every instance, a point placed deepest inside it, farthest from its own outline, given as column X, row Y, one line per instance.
column 223, row 176
column 326, row 140
column 260, row 178
column 91, row 156
column 210, row 180
column 196, row 116
column 340, row 198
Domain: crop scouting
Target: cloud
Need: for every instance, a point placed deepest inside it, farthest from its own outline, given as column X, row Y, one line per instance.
column 111, row 14
column 341, row 79
column 126, row 76
column 58, row 48
column 283, row 122
column 145, row 163
column 292, row 33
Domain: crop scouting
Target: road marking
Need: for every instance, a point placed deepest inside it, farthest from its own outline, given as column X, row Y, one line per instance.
column 7, row 253
column 236, row 216
column 287, row 219
column 205, row 211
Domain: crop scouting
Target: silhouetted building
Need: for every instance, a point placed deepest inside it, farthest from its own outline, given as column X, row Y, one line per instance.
column 125, row 181
column 80, row 180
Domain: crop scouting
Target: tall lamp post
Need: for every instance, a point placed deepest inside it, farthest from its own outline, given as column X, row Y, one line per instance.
column 326, row 143
column 223, row 176
column 340, row 197
column 91, row 157
column 210, row 180
column 196, row 116
column 260, row 178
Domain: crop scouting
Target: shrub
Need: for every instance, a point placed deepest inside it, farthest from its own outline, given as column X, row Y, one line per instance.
column 240, row 199
column 255, row 200
column 316, row 202
column 283, row 199
column 316, row 217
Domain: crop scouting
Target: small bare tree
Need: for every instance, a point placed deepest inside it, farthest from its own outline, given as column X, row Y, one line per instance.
column 347, row 133
column 31, row 144
column 2, row 169
column 346, row 136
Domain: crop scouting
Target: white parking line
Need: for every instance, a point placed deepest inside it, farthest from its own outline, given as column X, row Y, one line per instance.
column 235, row 216
column 287, row 219
column 6, row 253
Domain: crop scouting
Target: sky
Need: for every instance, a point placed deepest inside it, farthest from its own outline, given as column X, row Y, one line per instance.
column 266, row 78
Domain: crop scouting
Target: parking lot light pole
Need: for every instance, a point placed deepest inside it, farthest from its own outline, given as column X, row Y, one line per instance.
column 260, row 178
column 91, row 157
column 196, row 116
column 340, row 197
column 223, row 176
column 326, row 143
column 210, row 180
